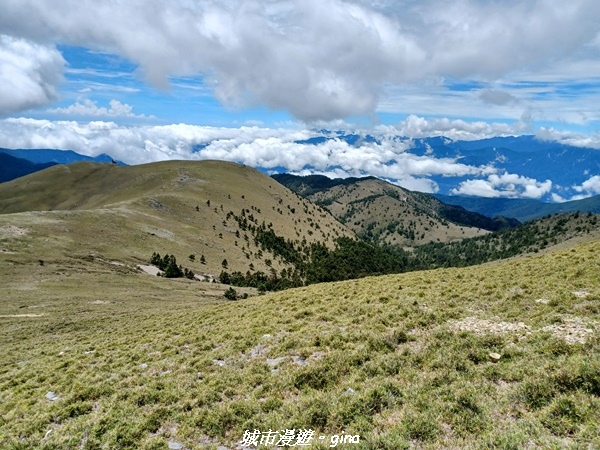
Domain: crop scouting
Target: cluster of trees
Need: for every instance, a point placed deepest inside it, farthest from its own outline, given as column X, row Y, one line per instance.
column 308, row 263
column 315, row 263
column 530, row 237
column 168, row 264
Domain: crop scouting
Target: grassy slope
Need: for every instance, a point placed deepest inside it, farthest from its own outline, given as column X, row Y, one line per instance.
column 414, row 349
column 376, row 203
column 127, row 213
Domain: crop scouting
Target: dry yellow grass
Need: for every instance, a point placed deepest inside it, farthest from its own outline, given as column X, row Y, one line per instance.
column 178, row 207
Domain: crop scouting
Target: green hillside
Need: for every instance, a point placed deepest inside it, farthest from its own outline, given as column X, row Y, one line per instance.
column 531, row 237
column 96, row 355
column 383, row 213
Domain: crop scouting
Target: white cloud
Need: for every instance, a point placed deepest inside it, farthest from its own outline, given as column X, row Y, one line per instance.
column 29, row 74
column 588, row 188
column 504, row 185
column 258, row 147
column 320, row 59
column 557, row 198
column 87, row 108
column 283, row 147
column 418, row 127
column 407, row 181
column 569, row 137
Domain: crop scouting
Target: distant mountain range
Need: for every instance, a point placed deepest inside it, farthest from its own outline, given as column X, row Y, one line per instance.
column 526, row 156
column 523, row 157
column 12, row 167
column 523, row 210
column 18, row 163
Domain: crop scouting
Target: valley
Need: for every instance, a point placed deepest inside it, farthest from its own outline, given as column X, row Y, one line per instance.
column 99, row 354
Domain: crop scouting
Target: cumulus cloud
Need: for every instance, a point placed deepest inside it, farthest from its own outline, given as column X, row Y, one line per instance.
column 29, row 74
column 318, row 59
column 504, row 185
column 419, row 127
column 588, row 188
column 88, row 108
column 569, row 137
column 407, row 181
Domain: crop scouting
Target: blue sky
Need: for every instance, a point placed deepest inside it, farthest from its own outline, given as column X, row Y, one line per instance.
column 147, row 80
column 101, row 77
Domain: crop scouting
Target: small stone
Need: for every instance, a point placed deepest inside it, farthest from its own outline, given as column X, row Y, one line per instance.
column 173, row 445
column 495, row 357
column 274, row 362
column 166, row 372
column 259, row 350
column 143, row 366
column 51, row 396
column 299, row 360
column 350, row 391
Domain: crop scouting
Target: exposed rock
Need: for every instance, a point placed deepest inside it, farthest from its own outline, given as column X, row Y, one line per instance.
column 274, row 362
column 487, row 326
column 259, row 350
column 299, row 360
column 573, row 330
column 581, row 294
column 495, row 357
column 52, row 396
column 150, row 270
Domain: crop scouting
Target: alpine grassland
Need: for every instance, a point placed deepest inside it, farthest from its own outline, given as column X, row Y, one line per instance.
column 97, row 355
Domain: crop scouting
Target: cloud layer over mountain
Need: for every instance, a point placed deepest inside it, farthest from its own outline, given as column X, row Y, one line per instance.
column 318, row 59
column 382, row 153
